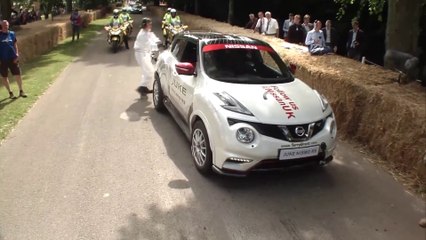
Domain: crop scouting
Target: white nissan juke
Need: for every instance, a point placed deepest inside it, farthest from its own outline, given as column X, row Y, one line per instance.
column 240, row 105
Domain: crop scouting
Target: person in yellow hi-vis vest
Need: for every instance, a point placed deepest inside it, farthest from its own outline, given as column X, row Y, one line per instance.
column 163, row 25
column 173, row 19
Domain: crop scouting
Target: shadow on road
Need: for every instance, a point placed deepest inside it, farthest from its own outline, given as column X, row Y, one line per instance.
column 274, row 195
column 179, row 223
column 137, row 111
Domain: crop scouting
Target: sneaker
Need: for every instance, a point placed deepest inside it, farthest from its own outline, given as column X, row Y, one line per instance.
column 22, row 94
column 11, row 95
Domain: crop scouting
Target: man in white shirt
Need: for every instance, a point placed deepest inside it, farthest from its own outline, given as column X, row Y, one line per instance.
column 287, row 24
column 258, row 27
column 145, row 42
column 315, row 40
column 268, row 26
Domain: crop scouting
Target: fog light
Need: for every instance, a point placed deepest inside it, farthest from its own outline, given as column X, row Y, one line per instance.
column 245, row 135
column 333, row 129
column 240, row 160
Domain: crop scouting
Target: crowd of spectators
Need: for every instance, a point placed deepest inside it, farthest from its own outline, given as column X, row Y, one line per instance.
column 28, row 15
column 321, row 40
column 24, row 16
column 318, row 38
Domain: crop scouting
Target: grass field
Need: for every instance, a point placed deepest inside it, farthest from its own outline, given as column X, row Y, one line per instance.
column 38, row 74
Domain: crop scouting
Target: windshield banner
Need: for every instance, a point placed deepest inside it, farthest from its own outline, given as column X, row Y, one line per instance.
column 215, row 47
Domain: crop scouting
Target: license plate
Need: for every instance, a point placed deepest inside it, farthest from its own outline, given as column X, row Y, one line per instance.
column 295, row 153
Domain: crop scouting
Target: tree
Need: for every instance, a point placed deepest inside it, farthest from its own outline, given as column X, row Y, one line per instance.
column 6, row 8
column 231, row 11
column 69, row 6
column 402, row 27
column 197, row 7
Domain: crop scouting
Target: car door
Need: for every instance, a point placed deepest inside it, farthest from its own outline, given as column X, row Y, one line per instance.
column 169, row 62
column 182, row 86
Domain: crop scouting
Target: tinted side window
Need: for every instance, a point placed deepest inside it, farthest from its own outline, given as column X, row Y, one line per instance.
column 178, row 48
column 190, row 53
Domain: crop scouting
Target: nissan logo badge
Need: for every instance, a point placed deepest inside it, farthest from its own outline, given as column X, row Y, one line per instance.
column 300, row 131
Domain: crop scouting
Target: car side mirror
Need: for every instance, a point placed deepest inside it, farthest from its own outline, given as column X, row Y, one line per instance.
column 293, row 68
column 185, row 68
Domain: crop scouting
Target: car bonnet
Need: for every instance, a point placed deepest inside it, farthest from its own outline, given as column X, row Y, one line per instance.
column 287, row 103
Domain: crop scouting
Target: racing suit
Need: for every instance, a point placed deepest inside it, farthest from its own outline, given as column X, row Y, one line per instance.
column 145, row 43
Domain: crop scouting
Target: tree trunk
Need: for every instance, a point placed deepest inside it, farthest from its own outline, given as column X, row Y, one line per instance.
column 231, row 11
column 6, row 9
column 197, row 7
column 402, row 29
column 69, row 6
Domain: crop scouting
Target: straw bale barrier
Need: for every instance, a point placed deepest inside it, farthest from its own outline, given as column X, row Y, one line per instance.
column 40, row 37
column 370, row 107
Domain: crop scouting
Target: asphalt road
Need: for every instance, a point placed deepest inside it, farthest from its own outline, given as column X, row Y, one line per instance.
column 91, row 161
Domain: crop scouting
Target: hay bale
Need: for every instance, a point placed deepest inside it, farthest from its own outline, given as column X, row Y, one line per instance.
column 40, row 37
column 369, row 106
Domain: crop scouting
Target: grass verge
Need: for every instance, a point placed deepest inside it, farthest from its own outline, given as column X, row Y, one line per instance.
column 38, row 74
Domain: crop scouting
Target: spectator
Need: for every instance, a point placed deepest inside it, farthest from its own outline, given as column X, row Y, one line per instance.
column 259, row 24
column 287, row 24
column 75, row 19
column 307, row 25
column 331, row 36
column 296, row 33
column 9, row 59
column 315, row 40
column 355, row 43
column 269, row 25
column 251, row 24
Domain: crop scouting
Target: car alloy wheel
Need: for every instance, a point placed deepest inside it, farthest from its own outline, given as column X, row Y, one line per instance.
column 200, row 148
column 158, row 97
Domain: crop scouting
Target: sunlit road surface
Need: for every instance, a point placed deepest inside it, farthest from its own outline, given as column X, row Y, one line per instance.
column 91, row 161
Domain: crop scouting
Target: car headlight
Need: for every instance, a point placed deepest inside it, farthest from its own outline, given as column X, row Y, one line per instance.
column 323, row 100
column 232, row 104
column 245, row 135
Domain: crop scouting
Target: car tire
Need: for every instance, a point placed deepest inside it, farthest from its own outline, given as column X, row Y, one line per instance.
column 158, row 95
column 200, row 149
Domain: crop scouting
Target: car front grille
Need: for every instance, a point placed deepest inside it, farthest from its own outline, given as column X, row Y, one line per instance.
column 290, row 133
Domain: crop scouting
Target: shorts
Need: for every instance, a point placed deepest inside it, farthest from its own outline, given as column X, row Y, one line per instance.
column 6, row 65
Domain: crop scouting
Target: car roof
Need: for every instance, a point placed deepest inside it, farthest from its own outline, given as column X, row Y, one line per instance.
column 222, row 38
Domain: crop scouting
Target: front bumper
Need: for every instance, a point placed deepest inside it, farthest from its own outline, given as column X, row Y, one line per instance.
column 232, row 157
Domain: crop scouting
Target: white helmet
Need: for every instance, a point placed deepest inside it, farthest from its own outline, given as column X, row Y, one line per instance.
column 173, row 10
column 169, row 9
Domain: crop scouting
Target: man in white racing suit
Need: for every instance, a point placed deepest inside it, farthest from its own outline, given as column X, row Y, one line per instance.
column 145, row 43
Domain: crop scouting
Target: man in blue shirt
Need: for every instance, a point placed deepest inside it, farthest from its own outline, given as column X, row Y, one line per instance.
column 315, row 40
column 9, row 59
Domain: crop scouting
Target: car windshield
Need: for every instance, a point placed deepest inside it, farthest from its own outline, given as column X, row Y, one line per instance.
column 248, row 64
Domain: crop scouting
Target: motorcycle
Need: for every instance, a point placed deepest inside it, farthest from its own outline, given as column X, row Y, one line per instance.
column 128, row 25
column 116, row 36
column 172, row 31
